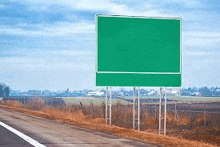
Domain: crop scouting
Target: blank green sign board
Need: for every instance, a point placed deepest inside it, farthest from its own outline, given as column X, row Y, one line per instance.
column 138, row 51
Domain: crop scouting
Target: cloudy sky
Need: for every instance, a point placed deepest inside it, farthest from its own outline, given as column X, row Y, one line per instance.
column 48, row 44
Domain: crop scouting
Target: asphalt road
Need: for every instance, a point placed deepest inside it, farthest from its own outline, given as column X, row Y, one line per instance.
column 9, row 139
column 55, row 134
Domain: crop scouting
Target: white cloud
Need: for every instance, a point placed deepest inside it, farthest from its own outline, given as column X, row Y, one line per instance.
column 104, row 6
column 73, row 59
column 188, row 3
column 38, row 8
column 201, row 53
column 72, row 53
column 111, row 6
column 59, row 29
column 65, row 28
column 201, row 68
column 2, row 6
column 13, row 65
column 212, row 35
column 201, row 39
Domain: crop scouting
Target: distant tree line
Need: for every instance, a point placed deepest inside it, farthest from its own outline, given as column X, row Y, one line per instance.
column 4, row 90
column 204, row 91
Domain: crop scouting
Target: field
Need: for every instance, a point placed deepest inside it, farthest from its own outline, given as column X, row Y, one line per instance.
column 90, row 100
column 143, row 100
column 195, row 118
column 196, row 99
column 182, row 98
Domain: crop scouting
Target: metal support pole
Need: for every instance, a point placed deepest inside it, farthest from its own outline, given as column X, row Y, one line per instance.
column 134, row 108
column 106, row 106
column 138, row 108
column 165, row 112
column 190, row 114
column 175, row 112
column 160, row 111
column 205, row 116
column 110, row 109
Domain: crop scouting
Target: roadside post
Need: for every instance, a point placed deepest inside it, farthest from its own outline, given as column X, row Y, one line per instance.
column 106, row 106
column 139, row 109
column 134, row 107
column 175, row 113
column 165, row 112
column 108, row 103
column 110, row 109
column 160, row 111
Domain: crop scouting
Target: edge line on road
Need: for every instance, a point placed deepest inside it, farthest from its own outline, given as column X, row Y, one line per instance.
column 23, row 136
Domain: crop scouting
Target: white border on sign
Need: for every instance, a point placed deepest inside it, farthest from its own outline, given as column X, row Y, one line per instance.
column 119, row 72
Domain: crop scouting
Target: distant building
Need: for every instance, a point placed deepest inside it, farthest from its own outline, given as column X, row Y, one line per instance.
column 23, row 94
column 196, row 94
column 174, row 92
column 143, row 92
column 152, row 92
column 1, row 98
column 217, row 91
column 14, row 93
column 96, row 93
column 121, row 93
column 34, row 92
column 46, row 93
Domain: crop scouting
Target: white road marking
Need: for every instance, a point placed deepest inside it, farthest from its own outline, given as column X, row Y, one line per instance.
column 126, row 72
column 23, row 136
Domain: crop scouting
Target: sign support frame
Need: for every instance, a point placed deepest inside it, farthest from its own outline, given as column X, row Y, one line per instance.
column 106, row 106
column 134, row 107
column 110, row 109
column 108, row 103
column 160, row 111
column 165, row 112
column 138, row 108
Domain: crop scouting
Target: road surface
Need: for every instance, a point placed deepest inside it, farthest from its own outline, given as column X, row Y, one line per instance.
column 7, row 138
column 55, row 134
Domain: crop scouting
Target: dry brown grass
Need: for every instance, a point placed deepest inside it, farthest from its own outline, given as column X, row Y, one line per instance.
column 149, row 120
column 87, row 117
column 36, row 104
column 185, row 121
column 13, row 103
column 172, row 120
column 128, row 133
column 64, row 114
column 214, row 129
column 120, row 114
column 199, row 120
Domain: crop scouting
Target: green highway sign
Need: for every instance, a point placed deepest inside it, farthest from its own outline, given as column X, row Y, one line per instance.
column 138, row 51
